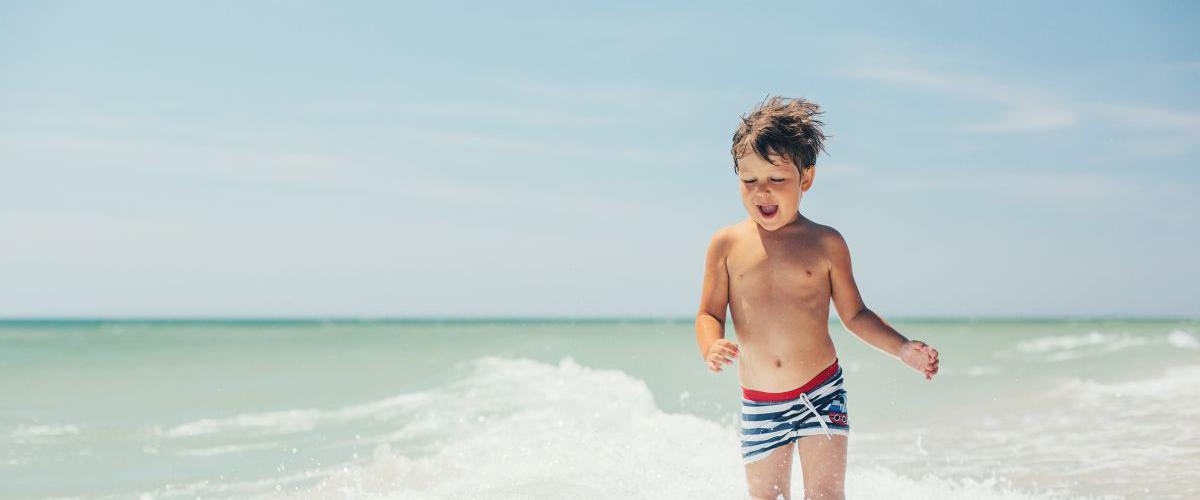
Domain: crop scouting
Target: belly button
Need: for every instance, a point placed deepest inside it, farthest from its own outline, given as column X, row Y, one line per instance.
column 808, row 272
column 778, row 363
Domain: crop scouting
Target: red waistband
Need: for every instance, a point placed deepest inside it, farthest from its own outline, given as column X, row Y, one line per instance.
column 818, row 379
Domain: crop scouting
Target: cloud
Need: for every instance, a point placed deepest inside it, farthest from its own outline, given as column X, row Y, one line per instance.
column 1050, row 185
column 1150, row 118
column 606, row 205
column 840, row 170
column 546, row 146
column 1172, row 132
column 633, row 94
column 84, row 151
column 1024, row 106
column 458, row 110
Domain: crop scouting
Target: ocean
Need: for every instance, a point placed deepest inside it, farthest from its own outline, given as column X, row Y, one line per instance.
column 578, row 409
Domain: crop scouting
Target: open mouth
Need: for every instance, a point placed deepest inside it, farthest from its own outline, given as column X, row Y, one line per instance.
column 768, row 210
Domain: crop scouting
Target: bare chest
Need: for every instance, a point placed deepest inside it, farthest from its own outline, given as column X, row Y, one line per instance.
column 777, row 268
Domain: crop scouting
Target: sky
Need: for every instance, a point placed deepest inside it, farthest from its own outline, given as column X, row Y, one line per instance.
column 437, row 159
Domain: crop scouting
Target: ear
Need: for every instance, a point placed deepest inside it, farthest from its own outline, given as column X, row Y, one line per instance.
column 806, row 178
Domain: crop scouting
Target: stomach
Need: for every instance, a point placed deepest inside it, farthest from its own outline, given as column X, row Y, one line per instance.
column 778, row 361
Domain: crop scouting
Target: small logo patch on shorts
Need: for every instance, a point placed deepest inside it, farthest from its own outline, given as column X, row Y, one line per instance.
column 837, row 411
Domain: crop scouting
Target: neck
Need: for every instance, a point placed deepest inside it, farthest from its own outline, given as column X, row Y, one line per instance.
column 796, row 219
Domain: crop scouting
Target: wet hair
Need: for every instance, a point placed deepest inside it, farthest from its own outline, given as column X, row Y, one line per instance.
column 783, row 127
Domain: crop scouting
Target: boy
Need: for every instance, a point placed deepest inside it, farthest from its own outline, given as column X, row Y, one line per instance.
column 777, row 271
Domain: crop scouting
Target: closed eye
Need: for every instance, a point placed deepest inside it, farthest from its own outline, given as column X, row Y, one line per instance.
column 777, row 180
column 749, row 181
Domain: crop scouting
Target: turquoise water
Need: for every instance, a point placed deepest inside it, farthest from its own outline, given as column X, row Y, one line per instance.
column 561, row 409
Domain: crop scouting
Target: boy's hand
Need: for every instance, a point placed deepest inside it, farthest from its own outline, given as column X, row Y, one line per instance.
column 921, row 357
column 721, row 351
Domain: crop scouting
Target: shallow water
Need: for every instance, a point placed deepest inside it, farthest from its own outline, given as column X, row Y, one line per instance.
column 545, row 409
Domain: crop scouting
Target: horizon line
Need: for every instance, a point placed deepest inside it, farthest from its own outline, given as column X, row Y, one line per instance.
column 545, row 319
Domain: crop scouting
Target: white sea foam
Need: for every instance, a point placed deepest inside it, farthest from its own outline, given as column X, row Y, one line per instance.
column 518, row 428
column 1128, row 437
column 35, row 431
column 1183, row 340
column 1104, row 341
column 225, row 450
column 1044, row 344
column 1068, row 347
column 982, row 370
column 293, row 421
column 1180, row 384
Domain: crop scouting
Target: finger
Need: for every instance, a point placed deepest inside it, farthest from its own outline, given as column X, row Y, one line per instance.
column 935, row 353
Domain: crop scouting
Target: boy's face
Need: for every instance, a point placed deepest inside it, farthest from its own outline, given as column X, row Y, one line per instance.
column 771, row 190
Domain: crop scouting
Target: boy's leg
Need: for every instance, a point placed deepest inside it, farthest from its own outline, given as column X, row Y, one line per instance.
column 770, row 477
column 823, row 463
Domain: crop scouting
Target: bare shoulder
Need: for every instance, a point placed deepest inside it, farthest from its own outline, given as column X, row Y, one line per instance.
column 830, row 239
column 724, row 237
column 827, row 234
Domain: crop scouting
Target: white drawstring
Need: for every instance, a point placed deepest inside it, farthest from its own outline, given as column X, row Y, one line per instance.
column 804, row 397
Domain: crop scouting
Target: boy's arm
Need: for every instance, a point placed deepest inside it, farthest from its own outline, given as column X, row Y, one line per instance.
column 714, row 299
column 862, row 321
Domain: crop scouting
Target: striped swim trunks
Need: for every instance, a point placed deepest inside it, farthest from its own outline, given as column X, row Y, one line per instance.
column 774, row 419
